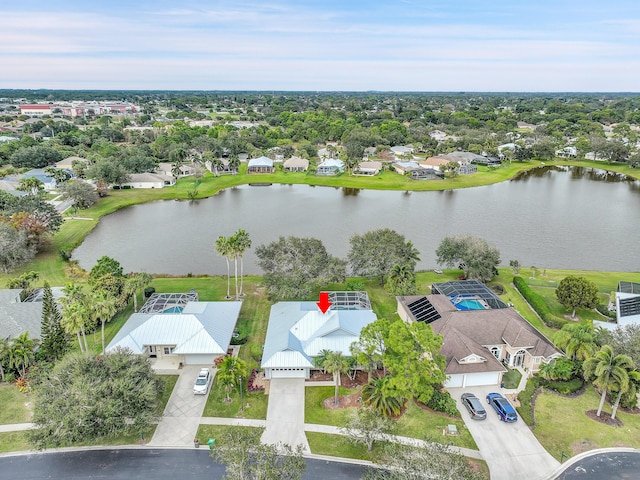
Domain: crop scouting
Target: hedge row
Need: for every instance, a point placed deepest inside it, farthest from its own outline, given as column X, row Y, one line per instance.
column 538, row 304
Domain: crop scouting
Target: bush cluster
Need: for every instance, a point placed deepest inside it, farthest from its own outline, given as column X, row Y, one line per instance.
column 251, row 386
column 538, row 304
column 442, row 402
column 604, row 310
column 564, row 387
column 527, row 402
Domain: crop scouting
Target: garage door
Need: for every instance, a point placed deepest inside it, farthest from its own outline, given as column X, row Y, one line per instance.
column 479, row 379
column 288, row 373
column 206, row 359
column 454, row 381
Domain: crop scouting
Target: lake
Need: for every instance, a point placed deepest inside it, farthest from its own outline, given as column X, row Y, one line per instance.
column 551, row 217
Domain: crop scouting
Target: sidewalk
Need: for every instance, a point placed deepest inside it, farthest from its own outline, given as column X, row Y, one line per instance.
column 15, row 427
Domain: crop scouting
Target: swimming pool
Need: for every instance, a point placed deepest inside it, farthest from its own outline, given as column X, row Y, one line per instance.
column 174, row 309
column 468, row 304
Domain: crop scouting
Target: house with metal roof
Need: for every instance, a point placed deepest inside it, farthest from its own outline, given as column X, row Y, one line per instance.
column 195, row 333
column 331, row 166
column 299, row 331
column 481, row 336
column 627, row 306
column 260, row 165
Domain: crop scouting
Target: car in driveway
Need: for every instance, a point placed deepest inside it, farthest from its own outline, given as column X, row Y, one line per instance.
column 201, row 385
column 473, row 406
column 503, row 408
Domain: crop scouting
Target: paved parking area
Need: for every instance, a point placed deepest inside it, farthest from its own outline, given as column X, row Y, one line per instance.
column 510, row 449
column 179, row 425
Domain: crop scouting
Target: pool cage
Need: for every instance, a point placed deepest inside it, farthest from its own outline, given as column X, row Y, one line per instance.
column 168, row 302
column 460, row 292
column 349, row 301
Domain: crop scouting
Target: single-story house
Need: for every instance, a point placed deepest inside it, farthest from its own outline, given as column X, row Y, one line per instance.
column 567, row 152
column 489, row 161
column 166, row 168
column 402, row 151
column 422, row 173
column 17, row 316
column 331, row 166
column 260, row 165
column 195, row 333
column 434, row 162
column 404, row 167
column 225, row 169
column 463, row 159
column 369, row 152
column 479, row 341
column 299, row 331
column 11, row 186
column 149, row 180
column 369, row 168
column 627, row 305
column 67, row 163
column 296, row 164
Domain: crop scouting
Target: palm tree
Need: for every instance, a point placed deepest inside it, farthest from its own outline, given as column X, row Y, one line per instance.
column 31, row 185
column 336, row 364
column 607, row 369
column 103, row 307
column 241, row 242
column 135, row 282
column 23, row 351
column 223, row 247
column 75, row 313
column 230, row 370
column 379, row 399
column 632, row 379
column 320, row 360
column 5, row 349
column 578, row 340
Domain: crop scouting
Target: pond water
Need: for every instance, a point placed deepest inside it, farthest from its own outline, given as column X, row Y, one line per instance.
column 550, row 217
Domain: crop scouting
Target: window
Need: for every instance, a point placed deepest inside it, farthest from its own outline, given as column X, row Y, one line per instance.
column 536, row 360
column 168, row 350
column 495, row 351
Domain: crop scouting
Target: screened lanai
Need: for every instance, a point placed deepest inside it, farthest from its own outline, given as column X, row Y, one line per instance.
column 168, row 302
column 468, row 295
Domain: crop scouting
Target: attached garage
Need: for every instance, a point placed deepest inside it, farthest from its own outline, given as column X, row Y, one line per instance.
column 464, row 380
column 199, row 359
column 289, row 373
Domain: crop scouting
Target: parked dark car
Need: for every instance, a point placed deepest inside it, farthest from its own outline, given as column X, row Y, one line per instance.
column 473, row 406
column 503, row 408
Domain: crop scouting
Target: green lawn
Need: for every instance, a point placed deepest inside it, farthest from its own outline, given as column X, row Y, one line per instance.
column 511, row 379
column 314, row 411
column 205, row 432
column 255, row 404
column 14, row 405
column 562, row 426
column 169, row 382
column 340, row 446
column 14, row 442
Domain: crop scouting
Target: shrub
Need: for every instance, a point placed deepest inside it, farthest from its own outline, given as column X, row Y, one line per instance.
column 563, row 387
column 65, row 254
column 22, row 384
column 441, row 401
column 526, row 399
column 148, row 291
column 256, row 352
column 604, row 310
column 355, row 285
column 251, row 387
column 538, row 304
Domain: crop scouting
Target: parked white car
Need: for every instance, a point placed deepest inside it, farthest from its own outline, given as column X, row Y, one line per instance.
column 201, row 386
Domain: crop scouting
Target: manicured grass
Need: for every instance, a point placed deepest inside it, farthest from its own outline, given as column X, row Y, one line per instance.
column 255, row 404
column 511, row 379
column 169, row 382
column 14, row 442
column 13, row 405
column 416, row 422
column 549, row 296
column 340, row 446
column 562, row 426
column 205, row 432
column 314, row 411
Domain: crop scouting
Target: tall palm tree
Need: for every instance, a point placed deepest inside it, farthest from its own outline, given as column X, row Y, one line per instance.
column 75, row 313
column 223, row 247
column 241, row 242
column 632, row 379
column 607, row 369
column 103, row 308
column 578, row 340
column 23, row 351
column 230, row 370
column 31, row 185
column 336, row 364
column 135, row 282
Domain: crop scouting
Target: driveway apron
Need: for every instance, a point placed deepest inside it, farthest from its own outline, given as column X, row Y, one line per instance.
column 511, row 450
column 179, row 424
column 285, row 413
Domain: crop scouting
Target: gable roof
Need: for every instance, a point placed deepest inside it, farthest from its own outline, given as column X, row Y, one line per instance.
column 17, row 317
column 298, row 331
column 260, row 162
column 202, row 327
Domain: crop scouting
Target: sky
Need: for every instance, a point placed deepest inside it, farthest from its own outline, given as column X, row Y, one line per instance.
column 328, row 45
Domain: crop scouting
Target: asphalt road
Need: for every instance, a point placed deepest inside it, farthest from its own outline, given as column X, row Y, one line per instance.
column 604, row 466
column 131, row 464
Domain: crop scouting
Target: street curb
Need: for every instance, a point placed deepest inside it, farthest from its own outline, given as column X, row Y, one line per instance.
column 575, row 459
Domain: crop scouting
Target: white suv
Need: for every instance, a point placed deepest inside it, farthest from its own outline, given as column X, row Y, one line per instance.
column 201, row 387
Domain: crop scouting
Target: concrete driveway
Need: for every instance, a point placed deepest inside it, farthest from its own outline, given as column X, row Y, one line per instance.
column 285, row 413
column 510, row 449
column 181, row 418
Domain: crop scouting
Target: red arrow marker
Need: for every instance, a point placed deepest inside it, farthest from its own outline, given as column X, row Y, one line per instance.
column 324, row 302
